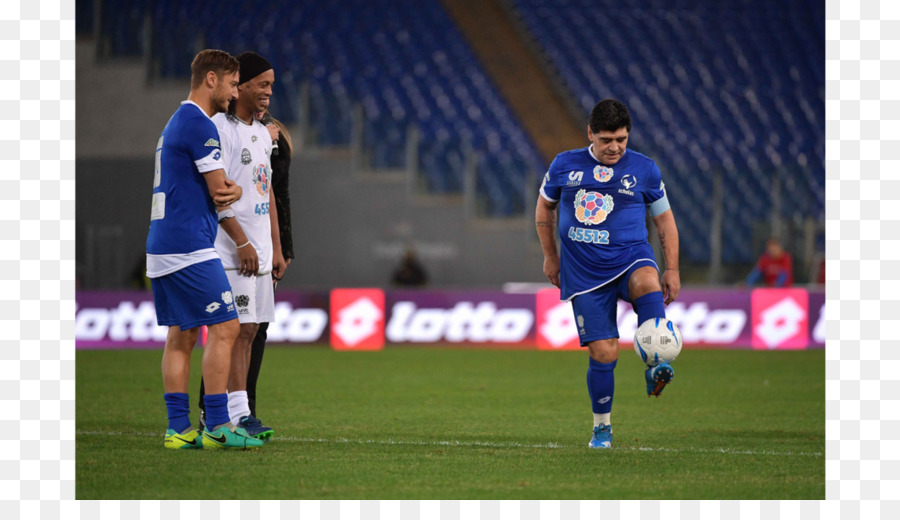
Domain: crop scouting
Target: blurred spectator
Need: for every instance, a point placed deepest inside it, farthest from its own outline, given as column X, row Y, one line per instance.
column 138, row 277
column 818, row 275
column 410, row 271
column 775, row 266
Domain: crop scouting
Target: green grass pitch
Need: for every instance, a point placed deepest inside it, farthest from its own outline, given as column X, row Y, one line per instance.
column 458, row 423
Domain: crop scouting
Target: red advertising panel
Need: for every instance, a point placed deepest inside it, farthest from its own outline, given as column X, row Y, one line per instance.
column 556, row 329
column 357, row 319
column 780, row 319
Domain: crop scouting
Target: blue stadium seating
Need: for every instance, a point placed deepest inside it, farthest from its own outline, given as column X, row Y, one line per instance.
column 403, row 61
column 732, row 89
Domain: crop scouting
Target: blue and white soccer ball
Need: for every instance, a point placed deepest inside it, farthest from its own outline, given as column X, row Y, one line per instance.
column 657, row 340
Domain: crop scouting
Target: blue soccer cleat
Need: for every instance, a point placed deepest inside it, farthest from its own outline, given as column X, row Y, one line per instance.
column 658, row 377
column 255, row 428
column 602, row 437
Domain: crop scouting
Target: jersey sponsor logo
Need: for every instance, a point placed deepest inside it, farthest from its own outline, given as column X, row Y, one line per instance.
column 213, row 307
column 253, row 138
column 211, row 142
column 592, row 207
column 603, row 173
column 158, row 206
column 261, row 180
column 629, row 182
column 574, row 178
column 245, row 156
column 217, row 155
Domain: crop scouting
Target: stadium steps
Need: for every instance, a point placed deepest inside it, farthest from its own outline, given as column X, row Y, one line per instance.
column 519, row 74
column 351, row 227
column 119, row 82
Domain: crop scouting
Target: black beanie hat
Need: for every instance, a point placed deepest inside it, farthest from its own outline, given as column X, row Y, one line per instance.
column 252, row 65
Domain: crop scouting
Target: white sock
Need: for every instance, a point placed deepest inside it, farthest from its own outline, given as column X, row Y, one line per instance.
column 238, row 406
column 599, row 418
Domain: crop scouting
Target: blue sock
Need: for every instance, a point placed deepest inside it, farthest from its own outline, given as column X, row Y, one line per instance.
column 648, row 306
column 216, row 410
column 601, row 385
column 179, row 408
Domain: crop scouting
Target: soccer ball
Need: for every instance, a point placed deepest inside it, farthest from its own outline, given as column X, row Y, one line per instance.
column 657, row 340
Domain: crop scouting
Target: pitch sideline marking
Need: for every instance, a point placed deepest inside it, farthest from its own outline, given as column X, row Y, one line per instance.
column 485, row 444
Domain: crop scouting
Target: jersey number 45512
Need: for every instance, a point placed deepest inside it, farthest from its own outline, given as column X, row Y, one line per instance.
column 590, row 236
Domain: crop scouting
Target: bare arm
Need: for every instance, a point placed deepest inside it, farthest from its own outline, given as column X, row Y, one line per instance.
column 668, row 239
column 222, row 190
column 545, row 223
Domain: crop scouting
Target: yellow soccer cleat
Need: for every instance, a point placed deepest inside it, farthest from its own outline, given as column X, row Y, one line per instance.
column 183, row 441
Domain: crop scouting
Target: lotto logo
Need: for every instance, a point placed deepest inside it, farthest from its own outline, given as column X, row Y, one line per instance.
column 780, row 319
column 556, row 329
column 357, row 319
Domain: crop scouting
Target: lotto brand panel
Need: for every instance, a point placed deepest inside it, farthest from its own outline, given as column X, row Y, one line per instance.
column 127, row 319
column 556, row 327
column 460, row 317
column 364, row 319
column 780, row 319
column 357, row 319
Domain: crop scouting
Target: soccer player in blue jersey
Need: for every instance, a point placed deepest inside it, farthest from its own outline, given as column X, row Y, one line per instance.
column 190, row 197
column 602, row 194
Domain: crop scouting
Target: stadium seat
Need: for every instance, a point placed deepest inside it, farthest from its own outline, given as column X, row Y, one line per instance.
column 732, row 89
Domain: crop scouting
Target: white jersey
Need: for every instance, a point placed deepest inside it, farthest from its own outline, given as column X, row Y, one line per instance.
column 246, row 151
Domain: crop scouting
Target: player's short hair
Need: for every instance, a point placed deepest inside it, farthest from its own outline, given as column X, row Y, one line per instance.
column 610, row 115
column 213, row 60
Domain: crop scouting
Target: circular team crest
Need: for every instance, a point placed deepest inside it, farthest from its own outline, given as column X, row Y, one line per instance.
column 603, row 173
column 261, row 179
column 591, row 207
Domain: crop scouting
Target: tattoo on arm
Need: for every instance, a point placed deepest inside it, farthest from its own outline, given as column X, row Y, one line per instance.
column 544, row 223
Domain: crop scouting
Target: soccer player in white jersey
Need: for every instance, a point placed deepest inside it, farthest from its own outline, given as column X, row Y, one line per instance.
column 190, row 196
column 251, row 249
column 602, row 193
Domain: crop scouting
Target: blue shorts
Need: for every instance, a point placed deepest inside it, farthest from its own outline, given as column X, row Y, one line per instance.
column 197, row 295
column 595, row 311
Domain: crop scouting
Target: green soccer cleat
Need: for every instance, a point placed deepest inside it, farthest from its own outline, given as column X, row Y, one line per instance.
column 226, row 437
column 183, row 441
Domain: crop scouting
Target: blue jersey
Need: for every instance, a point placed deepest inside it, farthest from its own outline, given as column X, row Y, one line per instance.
column 183, row 218
column 602, row 215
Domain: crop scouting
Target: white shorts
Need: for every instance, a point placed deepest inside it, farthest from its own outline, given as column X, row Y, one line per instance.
column 254, row 297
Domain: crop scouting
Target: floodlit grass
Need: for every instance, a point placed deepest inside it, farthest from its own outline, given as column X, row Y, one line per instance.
column 430, row 423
